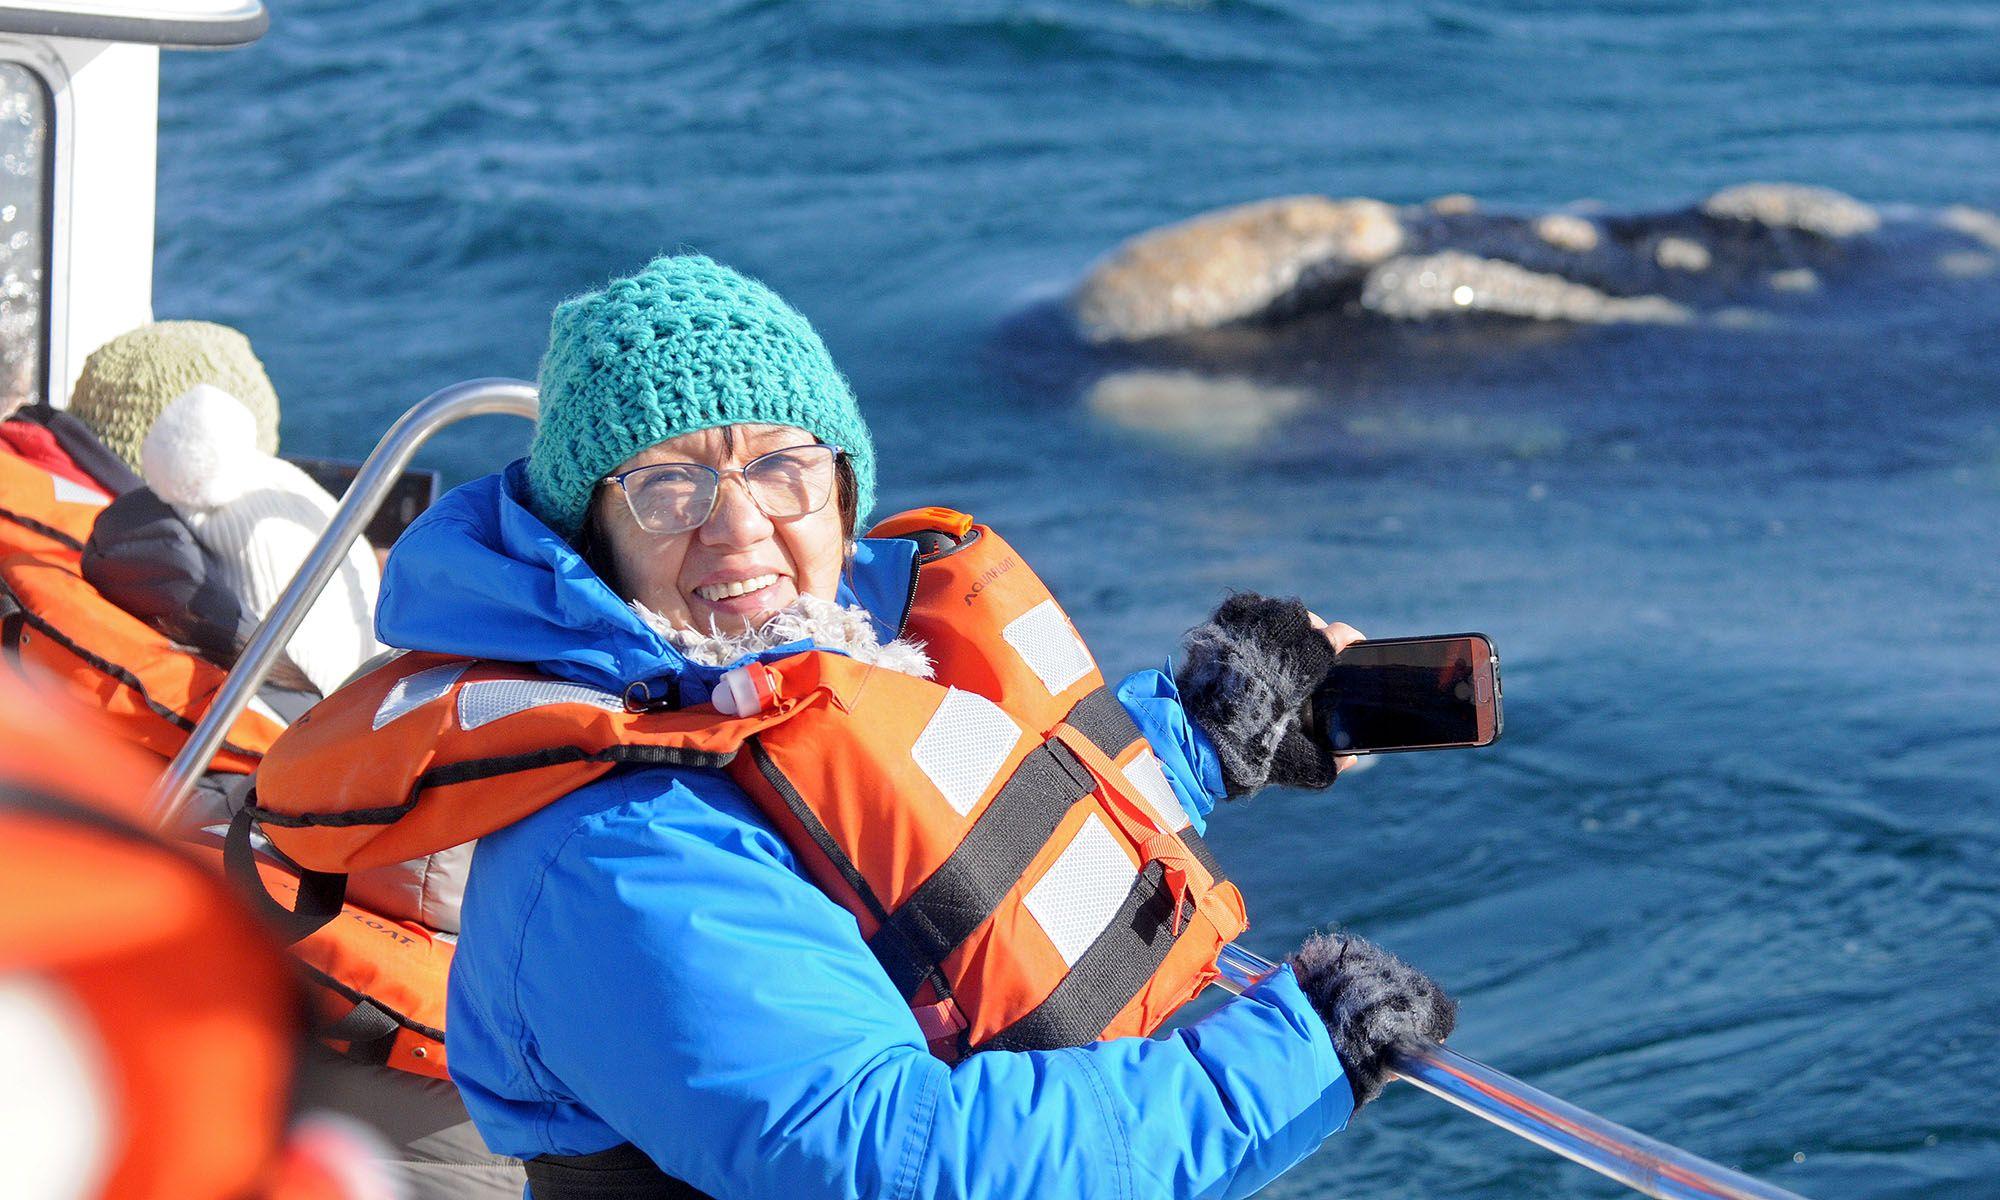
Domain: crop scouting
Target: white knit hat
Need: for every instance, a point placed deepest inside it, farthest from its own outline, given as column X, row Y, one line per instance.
column 260, row 516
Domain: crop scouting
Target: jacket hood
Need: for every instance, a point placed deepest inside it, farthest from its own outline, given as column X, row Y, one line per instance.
column 480, row 576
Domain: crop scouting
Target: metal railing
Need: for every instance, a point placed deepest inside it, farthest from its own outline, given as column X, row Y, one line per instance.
column 473, row 398
column 1633, row 1159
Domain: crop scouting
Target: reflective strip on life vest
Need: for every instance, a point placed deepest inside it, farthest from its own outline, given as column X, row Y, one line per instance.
column 1132, row 943
column 1048, row 643
column 964, row 746
column 412, row 692
column 42, row 512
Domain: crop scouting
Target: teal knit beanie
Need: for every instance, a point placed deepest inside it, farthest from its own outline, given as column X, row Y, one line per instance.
column 685, row 344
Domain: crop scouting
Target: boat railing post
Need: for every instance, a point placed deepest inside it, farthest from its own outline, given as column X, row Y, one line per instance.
column 372, row 484
column 1633, row 1159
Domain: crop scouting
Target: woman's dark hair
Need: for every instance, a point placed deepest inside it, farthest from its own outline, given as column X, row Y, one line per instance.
column 596, row 548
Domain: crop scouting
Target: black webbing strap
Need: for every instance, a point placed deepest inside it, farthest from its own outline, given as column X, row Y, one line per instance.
column 369, row 1031
column 1104, row 721
column 620, row 1173
column 355, row 995
column 965, row 889
column 320, row 894
column 1102, row 982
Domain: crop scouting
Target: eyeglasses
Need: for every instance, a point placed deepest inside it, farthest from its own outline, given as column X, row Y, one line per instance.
column 668, row 498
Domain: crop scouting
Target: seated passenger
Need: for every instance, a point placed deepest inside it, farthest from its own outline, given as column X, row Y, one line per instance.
column 719, row 938
column 69, row 485
column 89, row 454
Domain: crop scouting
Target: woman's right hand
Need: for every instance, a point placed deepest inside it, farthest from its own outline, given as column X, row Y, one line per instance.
column 1372, row 1003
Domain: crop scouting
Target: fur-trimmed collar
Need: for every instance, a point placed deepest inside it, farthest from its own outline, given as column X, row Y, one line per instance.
column 830, row 626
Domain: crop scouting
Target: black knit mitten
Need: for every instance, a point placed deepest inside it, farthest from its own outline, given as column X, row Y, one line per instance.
column 1371, row 1002
column 1245, row 679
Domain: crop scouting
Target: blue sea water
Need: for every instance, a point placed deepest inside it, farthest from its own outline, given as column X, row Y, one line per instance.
column 1733, row 875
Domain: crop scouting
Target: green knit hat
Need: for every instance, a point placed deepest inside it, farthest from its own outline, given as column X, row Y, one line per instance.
column 128, row 381
column 685, row 344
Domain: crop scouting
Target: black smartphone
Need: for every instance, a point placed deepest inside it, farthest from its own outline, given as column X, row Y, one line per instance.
column 1422, row 693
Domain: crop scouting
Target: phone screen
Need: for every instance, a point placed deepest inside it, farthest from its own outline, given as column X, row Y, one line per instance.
column 1409, row 694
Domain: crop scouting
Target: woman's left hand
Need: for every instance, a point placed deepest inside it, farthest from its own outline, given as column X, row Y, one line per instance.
column 1341, row 635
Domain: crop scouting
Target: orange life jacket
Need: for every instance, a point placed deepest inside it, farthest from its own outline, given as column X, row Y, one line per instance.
column 43, row 513
column 1004, row 836
column 161, row 989
column 54, row 626
column 378, row 984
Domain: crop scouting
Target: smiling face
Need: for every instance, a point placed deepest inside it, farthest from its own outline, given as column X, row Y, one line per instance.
column 740, row 566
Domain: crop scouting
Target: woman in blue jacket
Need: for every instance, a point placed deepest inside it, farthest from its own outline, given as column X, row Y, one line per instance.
column 648, row 988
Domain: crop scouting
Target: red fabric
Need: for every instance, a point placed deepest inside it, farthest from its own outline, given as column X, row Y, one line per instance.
column 36, row 444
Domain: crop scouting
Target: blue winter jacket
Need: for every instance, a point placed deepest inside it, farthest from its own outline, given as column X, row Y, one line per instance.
column 646, row 961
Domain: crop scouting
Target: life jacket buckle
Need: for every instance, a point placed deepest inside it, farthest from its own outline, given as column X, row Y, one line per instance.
column 939, row 1021
column 1178, row 868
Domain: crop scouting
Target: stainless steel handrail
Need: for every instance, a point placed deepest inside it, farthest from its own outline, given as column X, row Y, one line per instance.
column 1633, row 1159
column 473, row 398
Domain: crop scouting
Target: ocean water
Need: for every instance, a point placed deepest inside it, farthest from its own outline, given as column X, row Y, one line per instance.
column 1732, row 877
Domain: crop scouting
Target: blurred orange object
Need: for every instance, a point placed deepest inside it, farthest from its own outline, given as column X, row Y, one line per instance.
column 151, row 1025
